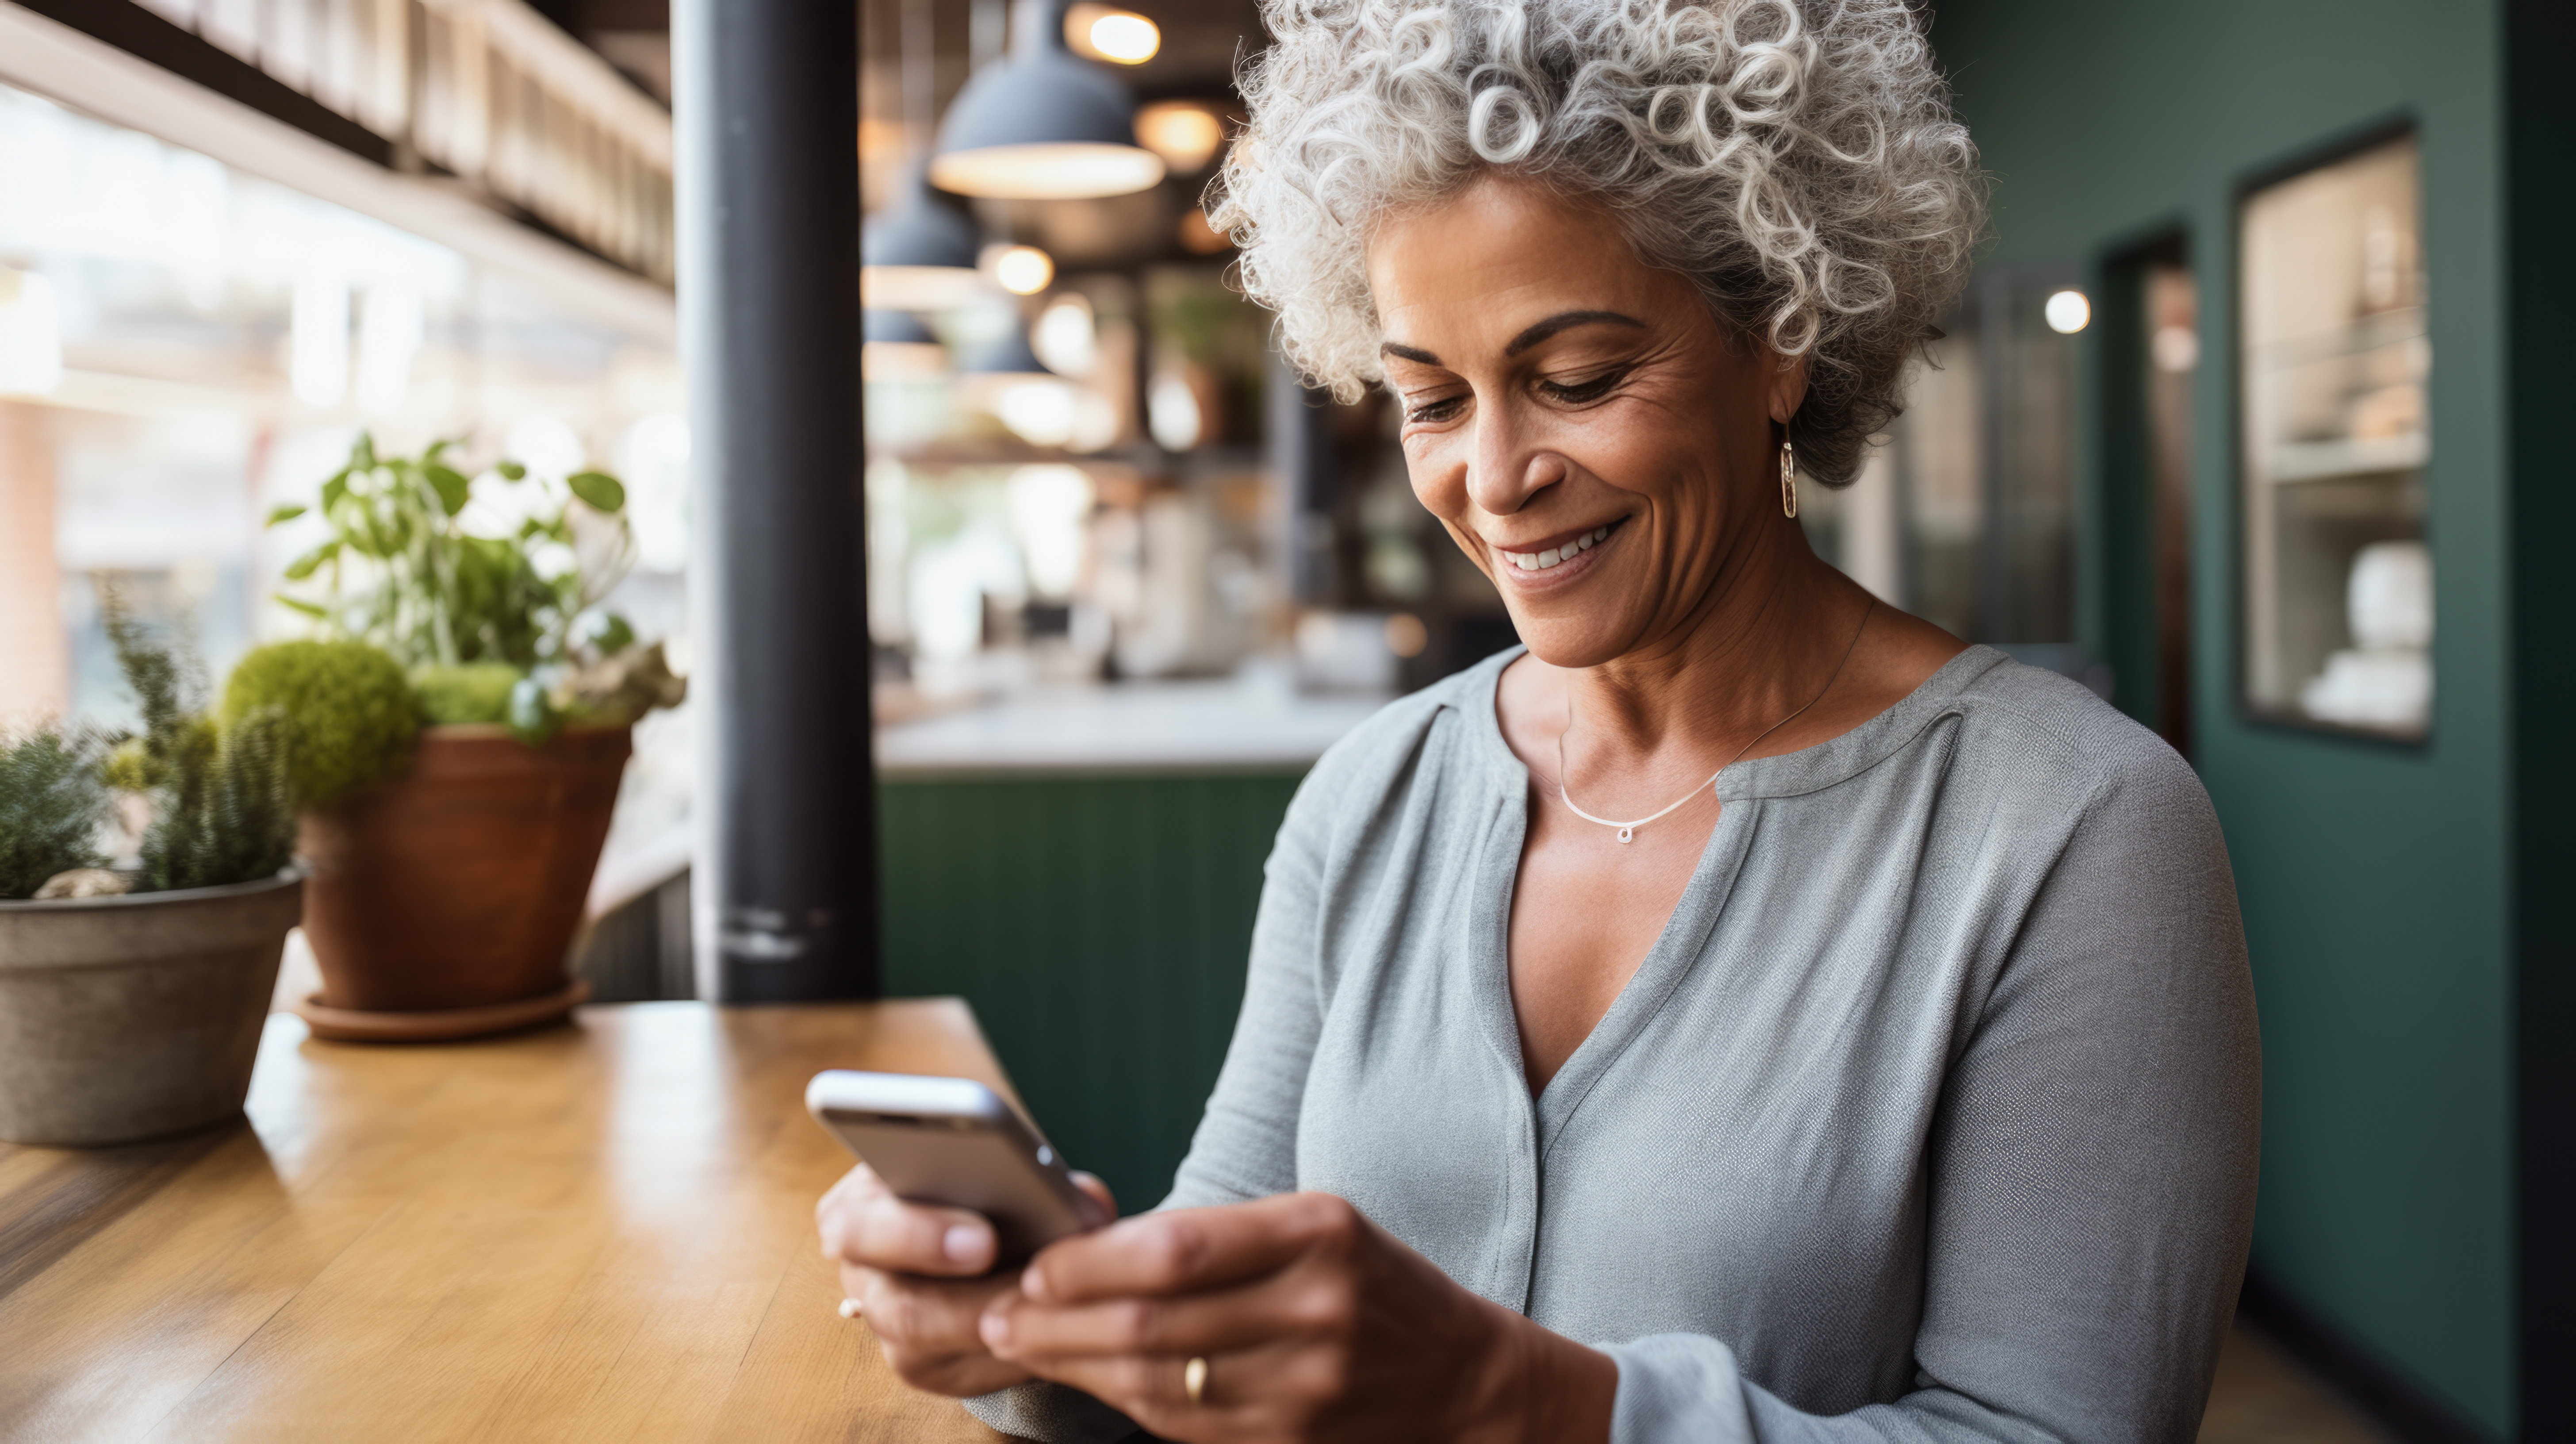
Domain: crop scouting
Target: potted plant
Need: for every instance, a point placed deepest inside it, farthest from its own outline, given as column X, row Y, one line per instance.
column 131, row 999
column 443, row 899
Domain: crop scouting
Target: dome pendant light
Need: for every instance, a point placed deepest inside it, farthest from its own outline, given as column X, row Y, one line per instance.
column 920, row 255
column 1042, row 125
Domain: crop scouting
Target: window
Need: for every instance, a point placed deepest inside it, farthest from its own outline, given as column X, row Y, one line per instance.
column 2338, row 579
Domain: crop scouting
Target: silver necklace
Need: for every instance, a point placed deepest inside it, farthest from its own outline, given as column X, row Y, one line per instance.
column 1628, row 830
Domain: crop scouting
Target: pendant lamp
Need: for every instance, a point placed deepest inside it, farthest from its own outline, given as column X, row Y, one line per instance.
column 1006, row 354
column 1040, row 124
column 920, row 254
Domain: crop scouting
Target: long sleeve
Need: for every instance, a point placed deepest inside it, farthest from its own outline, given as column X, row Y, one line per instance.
column 2091, row 1168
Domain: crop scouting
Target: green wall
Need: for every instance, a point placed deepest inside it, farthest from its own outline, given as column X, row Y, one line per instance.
column 2375, row 878
column 1098, row 924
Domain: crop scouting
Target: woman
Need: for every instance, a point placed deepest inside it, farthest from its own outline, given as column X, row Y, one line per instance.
column 1896, row 1081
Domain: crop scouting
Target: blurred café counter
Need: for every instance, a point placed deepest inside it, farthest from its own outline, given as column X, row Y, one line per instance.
column 1254, row 721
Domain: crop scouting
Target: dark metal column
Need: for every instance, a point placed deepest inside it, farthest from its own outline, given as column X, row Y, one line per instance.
column 785, row 869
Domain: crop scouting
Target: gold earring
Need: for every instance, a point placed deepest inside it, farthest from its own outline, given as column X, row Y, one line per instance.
column 1788, row 479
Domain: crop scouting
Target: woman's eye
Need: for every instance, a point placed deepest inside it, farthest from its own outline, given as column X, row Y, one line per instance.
column 1579, row 392
column 1438, row 409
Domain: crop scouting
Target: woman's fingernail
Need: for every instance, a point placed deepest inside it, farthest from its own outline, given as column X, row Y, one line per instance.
column 1033, row 1285
column 995, row 1330
column 963, row 1243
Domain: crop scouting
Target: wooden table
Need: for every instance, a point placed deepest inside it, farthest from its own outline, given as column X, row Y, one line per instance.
column 602, row 1231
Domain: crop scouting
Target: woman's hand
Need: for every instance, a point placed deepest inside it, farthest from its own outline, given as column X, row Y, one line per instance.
column 1313, row 1321
column 921, row 1276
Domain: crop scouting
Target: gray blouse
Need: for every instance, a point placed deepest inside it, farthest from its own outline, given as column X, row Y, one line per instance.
column 1931, row 1114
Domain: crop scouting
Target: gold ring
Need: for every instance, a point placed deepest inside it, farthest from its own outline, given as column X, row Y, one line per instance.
column 1194, row 1380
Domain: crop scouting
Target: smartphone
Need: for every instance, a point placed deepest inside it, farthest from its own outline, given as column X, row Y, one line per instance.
column 954, row 1141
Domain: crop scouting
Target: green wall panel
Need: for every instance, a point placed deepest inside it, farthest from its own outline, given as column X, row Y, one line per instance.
column 1099, row 926
column 2375, row 879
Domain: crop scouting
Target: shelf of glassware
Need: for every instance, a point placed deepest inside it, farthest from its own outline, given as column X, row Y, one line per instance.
column 2349, row 610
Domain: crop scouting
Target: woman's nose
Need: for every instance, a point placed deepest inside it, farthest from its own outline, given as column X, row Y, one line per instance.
column 1505, row 468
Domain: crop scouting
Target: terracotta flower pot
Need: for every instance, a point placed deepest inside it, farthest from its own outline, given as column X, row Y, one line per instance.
column 460, row 884
column 130, row 1017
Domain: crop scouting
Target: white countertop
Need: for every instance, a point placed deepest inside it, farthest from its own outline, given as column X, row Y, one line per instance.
column 1128, row 727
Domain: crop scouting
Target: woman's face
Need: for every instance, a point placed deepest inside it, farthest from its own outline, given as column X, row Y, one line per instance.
column 1588, row 432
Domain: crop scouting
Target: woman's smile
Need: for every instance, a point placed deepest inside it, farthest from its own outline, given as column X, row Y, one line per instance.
column 1553, row 561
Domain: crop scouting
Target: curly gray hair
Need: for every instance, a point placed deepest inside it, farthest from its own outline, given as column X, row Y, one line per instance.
column 1797, row 160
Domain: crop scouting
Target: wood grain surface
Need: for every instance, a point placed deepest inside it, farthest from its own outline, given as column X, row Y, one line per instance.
column 602, row 1231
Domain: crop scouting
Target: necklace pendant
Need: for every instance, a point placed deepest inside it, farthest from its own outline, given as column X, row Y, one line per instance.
column 1627, row 834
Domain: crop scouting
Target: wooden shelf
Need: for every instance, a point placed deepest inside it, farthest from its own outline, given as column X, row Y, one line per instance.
column 2327, row 460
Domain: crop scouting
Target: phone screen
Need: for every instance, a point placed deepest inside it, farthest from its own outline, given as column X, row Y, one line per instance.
column 963, row 1151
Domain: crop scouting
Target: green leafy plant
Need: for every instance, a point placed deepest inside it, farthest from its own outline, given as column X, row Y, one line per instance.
column 52, row 804
column 402, row 568
column 442, row 595
column 220, row 806
column 344, row 711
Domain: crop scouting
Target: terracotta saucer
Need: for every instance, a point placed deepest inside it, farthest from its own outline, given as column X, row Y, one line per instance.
column 434, row 1025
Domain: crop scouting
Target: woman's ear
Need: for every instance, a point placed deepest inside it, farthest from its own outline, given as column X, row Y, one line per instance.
column 1788, row 390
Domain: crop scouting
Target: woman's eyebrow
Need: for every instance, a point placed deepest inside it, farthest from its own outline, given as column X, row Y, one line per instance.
column 1529, row 336
column 1566, row 320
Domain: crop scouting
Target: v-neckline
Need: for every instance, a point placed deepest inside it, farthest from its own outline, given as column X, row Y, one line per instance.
column 1666, row 960
column 1684, row 935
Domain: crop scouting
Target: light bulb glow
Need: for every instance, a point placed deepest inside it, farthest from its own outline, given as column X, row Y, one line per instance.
column 1103, row 32
column 1186, row 136
column 1172, row 413
column 2068, row 312
column 1022, row 270
column 1053, row 171
column 1127, row 39
column 1065, row 337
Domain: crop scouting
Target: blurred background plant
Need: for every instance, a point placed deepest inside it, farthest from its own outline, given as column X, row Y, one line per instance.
column 52, row 804
column 220, row 808
column 486, row 588
column 343, row 707
column 405, row 567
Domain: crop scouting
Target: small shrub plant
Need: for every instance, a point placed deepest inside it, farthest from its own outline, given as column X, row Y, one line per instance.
column 344, row 710
column 52, row 804
column 221, row 811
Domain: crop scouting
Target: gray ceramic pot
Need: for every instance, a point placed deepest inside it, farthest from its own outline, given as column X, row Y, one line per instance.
column 126, row 1017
